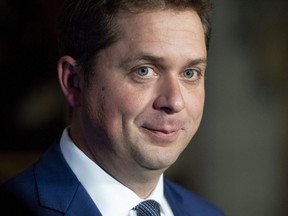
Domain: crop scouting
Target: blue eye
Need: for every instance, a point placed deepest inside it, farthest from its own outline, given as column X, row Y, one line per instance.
column 189, row 73
column 143, row 71
column 143, row 74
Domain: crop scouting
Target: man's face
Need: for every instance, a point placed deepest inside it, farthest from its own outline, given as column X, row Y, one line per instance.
column 145, row 101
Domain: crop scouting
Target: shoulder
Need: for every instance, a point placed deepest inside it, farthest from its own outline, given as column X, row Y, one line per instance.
column 191, row 202
column 21, row 182
column 25, row 181
column 23, row 191
column 22, row 185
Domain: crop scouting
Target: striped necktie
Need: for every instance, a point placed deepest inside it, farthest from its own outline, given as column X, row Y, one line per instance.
column 147, row 208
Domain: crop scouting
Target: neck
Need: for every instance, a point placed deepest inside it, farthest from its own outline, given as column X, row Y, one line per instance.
column 142, row 186
column 140, row 180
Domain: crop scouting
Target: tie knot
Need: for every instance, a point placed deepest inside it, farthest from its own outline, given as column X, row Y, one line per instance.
column 148, row 208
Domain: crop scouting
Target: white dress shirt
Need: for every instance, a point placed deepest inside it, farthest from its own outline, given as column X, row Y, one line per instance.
column 104, row 190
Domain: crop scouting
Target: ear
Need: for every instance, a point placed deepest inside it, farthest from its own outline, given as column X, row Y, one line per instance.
column 70, row 80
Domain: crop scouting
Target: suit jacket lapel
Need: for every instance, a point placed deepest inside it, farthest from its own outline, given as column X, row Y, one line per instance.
column 59, row 188
column 174, row 200
column 82, row 204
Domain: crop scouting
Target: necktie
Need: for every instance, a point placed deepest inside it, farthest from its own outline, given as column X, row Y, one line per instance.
column 147, row 208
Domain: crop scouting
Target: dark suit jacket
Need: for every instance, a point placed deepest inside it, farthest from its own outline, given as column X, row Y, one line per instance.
column 49, row 187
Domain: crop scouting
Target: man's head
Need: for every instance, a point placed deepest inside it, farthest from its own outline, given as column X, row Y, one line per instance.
column 87, row 26
column 145, row 97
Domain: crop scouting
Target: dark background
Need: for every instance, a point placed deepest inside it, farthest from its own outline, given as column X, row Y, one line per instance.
column 31, row 101
column 238, row 159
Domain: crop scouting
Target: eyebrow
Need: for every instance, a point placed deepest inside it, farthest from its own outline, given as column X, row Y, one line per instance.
column 142, row 57
column 197, row 61
column 147, row 57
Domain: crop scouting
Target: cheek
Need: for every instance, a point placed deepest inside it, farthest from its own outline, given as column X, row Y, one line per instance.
column 195, row 106
column 123, row 104
column 130, row 104
column 120, row 112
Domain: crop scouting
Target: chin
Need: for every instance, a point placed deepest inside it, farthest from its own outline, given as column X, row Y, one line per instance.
column 161, row 162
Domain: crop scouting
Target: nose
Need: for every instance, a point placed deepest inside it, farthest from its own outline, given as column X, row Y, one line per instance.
column 169, row 96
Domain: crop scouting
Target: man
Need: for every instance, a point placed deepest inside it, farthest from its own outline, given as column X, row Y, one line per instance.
column 133, row 75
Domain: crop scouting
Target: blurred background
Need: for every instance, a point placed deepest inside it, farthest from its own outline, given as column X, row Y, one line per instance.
column 238, row 157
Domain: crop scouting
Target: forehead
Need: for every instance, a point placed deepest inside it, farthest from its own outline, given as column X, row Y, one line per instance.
column 162, row 27
column 166, row 19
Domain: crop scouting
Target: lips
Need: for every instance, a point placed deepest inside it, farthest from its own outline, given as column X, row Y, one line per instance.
column 162, row 134
column 162, row 131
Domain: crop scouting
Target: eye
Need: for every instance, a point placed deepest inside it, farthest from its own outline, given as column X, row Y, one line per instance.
column 189, row 73
column 144, row 71
column 192, row 74
column 143, row 74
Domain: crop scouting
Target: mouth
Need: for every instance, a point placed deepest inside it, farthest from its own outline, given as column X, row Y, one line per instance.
column 162, row 135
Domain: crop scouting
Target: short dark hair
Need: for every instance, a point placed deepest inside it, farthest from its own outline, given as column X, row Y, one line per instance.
column 87, row 26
